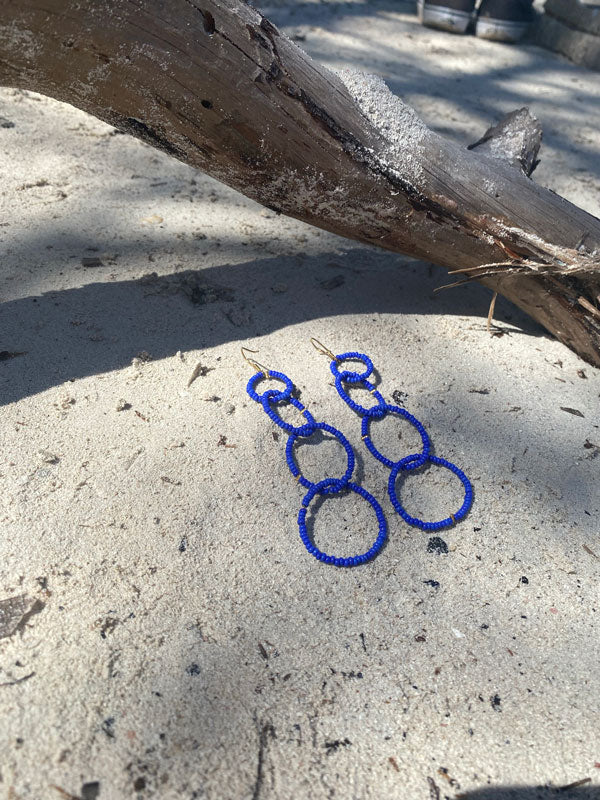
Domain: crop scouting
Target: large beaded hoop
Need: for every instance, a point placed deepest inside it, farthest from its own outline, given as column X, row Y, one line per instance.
column 419, row 523
column 352, row 561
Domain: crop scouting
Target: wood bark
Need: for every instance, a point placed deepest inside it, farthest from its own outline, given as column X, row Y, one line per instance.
column 216, row 85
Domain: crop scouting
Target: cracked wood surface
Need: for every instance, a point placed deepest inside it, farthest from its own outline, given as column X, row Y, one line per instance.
column 216, row 85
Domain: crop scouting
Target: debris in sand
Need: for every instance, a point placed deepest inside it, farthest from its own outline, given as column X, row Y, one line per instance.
column 573, row 411
column 91, row 261
column 48, row 457
column 199, row 371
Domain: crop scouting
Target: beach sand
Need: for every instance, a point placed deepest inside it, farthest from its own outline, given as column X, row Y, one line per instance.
column 163, row 631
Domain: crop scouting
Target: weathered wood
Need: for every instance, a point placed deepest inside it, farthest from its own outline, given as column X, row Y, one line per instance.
column 215, row 84
column 516, row 138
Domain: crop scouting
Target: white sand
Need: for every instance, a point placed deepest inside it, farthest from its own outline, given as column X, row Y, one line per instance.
column 182, row 643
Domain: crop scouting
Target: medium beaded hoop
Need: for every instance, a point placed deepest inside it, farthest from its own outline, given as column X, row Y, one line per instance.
column 374, row 411
column 300, row 430
column 416, row 460
column 341, row 482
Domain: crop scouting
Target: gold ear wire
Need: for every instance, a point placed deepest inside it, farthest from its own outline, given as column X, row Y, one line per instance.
column 254, row 364
column 320, row 348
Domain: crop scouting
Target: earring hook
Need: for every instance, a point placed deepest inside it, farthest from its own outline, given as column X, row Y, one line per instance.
column 320, row 348
column 258, row 367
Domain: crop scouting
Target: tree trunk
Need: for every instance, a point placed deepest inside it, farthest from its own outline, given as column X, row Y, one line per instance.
column 216, row 85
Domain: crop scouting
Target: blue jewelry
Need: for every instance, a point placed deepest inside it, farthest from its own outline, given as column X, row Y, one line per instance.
column 336, row 485
column 419, row 523
column 380, row 410
column 328, row 486
column 416, row 460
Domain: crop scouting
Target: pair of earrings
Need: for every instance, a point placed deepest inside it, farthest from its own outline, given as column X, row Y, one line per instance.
column 328, row 486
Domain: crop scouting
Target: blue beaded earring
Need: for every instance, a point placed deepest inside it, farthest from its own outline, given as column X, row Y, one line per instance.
column 269, row 401
column 380, row 410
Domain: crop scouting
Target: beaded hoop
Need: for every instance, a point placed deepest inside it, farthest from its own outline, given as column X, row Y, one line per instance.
column 348, row 375
column 352, row 561
column 417, row 459
column 338, row 484
column 375, row 410
column 276, row 396
column 419, row 523
column 299, row 430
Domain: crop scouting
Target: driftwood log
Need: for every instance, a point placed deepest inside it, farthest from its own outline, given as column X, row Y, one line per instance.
column 216, row 85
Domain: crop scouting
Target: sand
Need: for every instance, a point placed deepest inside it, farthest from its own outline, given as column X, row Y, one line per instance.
column 164, row 632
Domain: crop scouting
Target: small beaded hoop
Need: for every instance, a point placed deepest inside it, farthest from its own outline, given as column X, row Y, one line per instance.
column 352, row 561
column 348, row 375
column 419, row 523
column 337, row 484
column 416, row 460
column 276, row 396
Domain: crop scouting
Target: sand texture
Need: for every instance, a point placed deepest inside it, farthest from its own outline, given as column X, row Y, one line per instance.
column 163, row 632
